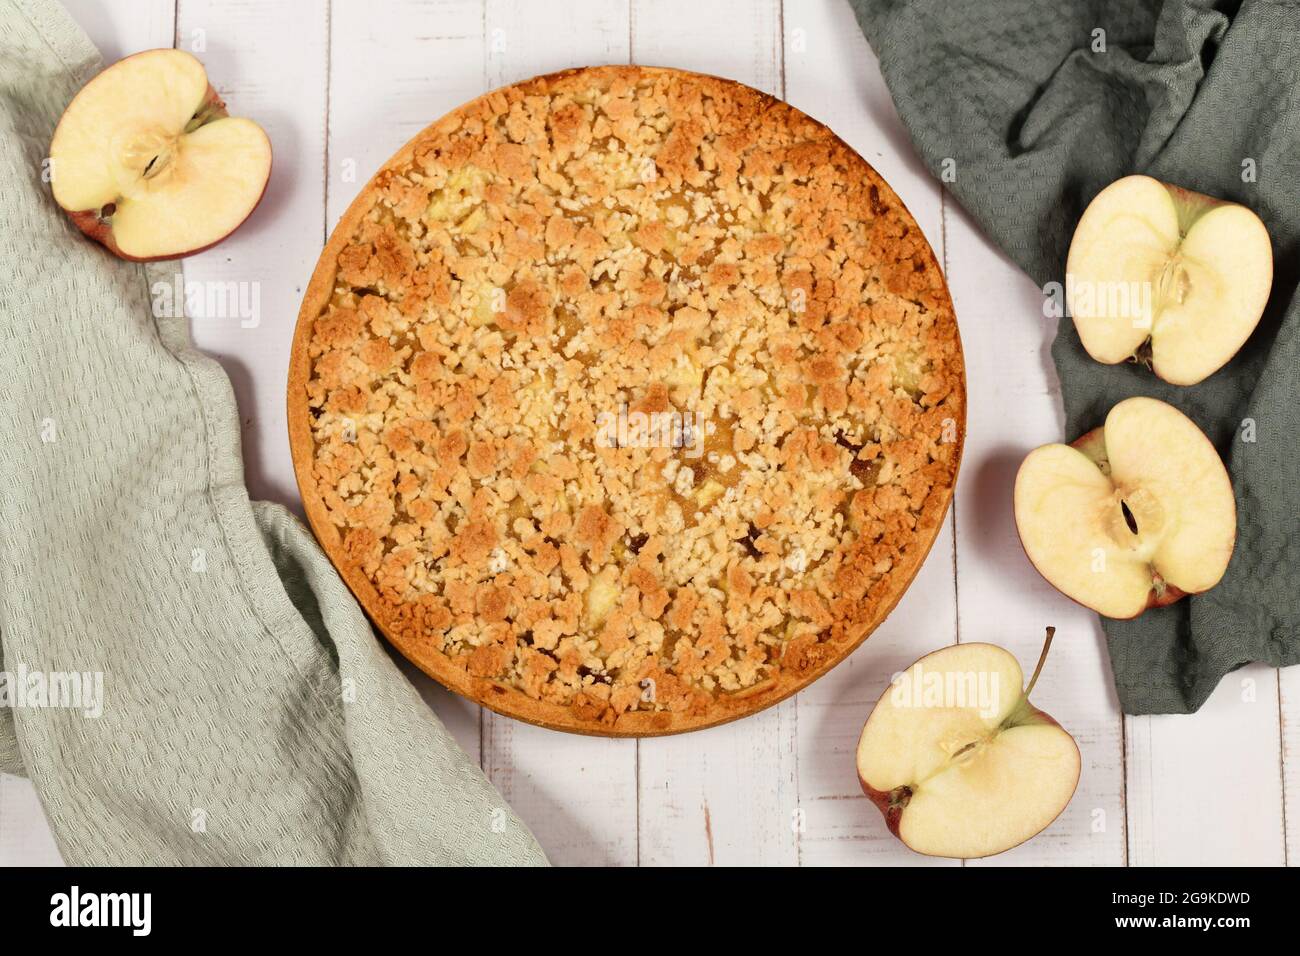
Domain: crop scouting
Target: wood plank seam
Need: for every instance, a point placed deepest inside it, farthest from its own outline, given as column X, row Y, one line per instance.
column 952, row 508
column 780, row 52
column 1281, row 769
column 325, row 159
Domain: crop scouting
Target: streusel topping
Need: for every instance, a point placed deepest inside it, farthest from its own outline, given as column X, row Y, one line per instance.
column 635, row 390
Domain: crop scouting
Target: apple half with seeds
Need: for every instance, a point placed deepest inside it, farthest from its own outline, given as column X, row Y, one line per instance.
column 1168, row 276
column 958, row 760
column 1133, row 515
column 146, row 161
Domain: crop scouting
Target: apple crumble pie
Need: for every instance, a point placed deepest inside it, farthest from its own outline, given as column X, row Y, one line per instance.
column 627, row 400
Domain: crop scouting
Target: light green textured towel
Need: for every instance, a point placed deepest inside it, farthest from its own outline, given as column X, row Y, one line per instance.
column 249, row 714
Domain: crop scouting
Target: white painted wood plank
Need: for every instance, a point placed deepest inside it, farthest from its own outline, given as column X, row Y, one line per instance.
column 122, row 28
column 118, row 30
column 1205, row 789
column 841, row 825
column 824, row 48
column 1014, row 405
column 1289, row 710
column 395, row 66
column 268, row 62
column 578, row 794
column 725, row 796
column 831, row 74
column 1010, row 413
column 526, row 38
column 738, row 39
column 25, row 839
column 1199, row 787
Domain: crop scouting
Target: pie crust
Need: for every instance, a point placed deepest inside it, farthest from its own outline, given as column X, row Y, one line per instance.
column 627, row 401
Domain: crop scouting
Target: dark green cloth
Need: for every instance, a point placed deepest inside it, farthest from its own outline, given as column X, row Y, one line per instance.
column 1038, row 122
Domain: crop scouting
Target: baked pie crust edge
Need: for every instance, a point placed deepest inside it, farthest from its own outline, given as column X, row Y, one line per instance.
column 504, row 698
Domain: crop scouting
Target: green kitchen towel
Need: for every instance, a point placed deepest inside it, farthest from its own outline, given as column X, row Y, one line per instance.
column 231, row 704
column 1039, row 104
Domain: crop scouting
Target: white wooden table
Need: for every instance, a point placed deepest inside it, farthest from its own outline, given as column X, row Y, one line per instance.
column 339, row 86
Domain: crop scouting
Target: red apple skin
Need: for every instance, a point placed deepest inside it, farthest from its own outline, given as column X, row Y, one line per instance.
column 1188, row 197
column 88, row 221
column 893, row 813
column 1043, row 717
column 1154, row 599
column 214, row 101
column 101, row 230
column 1171, row 595
column 1091, row 443
column 1200, row 204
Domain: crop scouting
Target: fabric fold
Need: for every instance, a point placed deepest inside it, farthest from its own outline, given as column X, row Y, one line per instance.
column 249, row 714
column 1041, row 104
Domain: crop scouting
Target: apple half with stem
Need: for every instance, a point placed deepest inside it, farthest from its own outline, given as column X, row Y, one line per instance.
column 146, row 161
column 1168, row 276
column 1133, row 515
column 958, row 760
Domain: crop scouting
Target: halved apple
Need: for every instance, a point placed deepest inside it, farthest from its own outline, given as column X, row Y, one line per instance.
column 958, row 760
column 1164, row 274
column 1133, row 515
column 146, row 161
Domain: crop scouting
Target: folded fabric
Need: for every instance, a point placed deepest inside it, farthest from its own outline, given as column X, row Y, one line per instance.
column 1039, row 104
column 245, row 712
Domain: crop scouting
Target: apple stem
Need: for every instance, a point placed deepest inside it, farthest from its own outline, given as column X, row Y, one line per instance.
column 1042, row 659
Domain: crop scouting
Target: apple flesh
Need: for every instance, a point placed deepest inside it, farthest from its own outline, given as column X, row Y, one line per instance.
column 1166, row 275
column 958, row 760
column 1133, row 515
column 146, row 161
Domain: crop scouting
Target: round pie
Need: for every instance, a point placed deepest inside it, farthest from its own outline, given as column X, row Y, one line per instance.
column 627, row 401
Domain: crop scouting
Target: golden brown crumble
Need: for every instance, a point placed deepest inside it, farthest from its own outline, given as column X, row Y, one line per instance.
column 613, row 242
